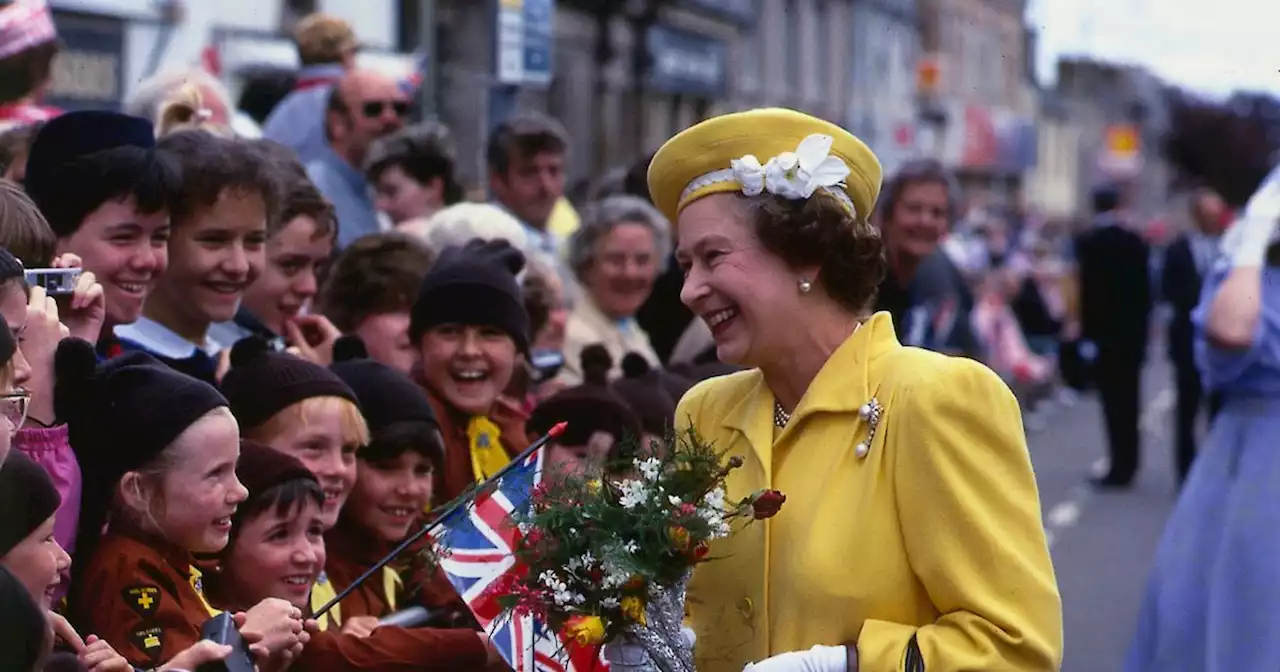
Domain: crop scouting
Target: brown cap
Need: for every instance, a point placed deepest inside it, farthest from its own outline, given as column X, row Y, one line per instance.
column 323, row 38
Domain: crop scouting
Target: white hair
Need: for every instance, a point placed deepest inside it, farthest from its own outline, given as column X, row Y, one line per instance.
column 156, row 90
column 462, row 222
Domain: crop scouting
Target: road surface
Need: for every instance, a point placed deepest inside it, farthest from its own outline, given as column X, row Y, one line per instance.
column 1103, row 543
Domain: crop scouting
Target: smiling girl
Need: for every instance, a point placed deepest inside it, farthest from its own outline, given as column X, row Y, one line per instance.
column 116, row 218
column 394, row 486
column 29, row 551
column 301, row 241
column 277, row 550
column 301, row 409
column 470, row 326
column 216, row 251
column 159, row 451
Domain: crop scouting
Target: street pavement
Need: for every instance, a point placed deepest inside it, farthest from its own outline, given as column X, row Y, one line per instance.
column 1103, row 543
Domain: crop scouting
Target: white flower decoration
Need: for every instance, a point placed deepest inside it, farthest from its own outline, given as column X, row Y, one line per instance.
column 793, row 175
column 749, row 173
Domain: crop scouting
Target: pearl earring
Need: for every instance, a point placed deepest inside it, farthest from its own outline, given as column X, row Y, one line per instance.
column 805, row 286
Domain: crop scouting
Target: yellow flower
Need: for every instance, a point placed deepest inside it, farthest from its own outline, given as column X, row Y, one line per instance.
column 679, row 537
column 585, row 630
column 593, row 486
column 633, row 608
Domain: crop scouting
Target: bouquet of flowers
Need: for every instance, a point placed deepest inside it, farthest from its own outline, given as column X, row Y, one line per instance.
column 609, row 553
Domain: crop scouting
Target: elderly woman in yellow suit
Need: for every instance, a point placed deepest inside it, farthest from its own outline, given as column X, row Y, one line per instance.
column 911, row 538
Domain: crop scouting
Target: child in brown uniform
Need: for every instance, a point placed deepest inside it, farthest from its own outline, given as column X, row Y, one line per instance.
column 159, row 451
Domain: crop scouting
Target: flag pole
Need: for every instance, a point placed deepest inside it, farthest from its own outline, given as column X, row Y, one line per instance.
column 440, row 515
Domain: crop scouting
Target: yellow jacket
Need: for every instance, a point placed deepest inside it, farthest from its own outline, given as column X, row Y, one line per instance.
column 935, row 533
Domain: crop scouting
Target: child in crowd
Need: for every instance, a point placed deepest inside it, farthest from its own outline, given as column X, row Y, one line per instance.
column 14, row 373
column 30, row 552
column 394, row 486
column 216, row 251
column 471, row 329
column 116, row 219
column 159, row 450
column 299, row 408
column 300, row 242
column 277, row 549
column 370, row 290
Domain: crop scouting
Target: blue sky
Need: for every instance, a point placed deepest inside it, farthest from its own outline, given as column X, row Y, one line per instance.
column 1211, row 46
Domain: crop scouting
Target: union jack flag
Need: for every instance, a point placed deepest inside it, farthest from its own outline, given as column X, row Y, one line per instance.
column 476, row 545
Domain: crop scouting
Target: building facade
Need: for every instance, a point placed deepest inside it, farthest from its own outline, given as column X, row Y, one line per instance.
column 884, row 54
column 1052, row 187
column 1123, row 114
column 621, row 76
column 984, row 95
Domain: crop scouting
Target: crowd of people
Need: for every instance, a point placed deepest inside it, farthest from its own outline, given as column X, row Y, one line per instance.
column 281, row 351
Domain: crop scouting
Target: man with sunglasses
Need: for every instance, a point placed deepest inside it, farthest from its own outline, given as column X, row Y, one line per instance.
column 364, row 106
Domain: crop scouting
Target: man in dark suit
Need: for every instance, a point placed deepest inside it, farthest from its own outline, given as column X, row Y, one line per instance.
column 1186, row 262
column 1115, row 304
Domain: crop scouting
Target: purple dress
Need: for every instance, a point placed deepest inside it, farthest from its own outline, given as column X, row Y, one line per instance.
column 1213, row 598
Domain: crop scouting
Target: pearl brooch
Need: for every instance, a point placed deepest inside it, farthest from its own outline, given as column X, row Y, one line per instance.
column 870, row 412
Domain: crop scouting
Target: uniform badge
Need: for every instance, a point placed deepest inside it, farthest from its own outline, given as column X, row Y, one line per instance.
column 143, row 599
column 150, row 642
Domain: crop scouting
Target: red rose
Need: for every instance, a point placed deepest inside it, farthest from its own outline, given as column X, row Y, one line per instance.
column 766, row 504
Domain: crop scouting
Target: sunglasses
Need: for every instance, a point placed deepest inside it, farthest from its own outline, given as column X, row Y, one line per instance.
column 14, row 408
column 374, row 108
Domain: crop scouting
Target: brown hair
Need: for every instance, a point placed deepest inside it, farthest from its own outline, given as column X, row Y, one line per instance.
column 303, row 199
column 23, row 230
column 821, row 231
column 15, row 145
column 212, row 165
column 524, row 135
column 376, row 274
column 21, row 73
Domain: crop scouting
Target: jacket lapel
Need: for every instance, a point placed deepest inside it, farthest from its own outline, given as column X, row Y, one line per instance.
column 751, row 417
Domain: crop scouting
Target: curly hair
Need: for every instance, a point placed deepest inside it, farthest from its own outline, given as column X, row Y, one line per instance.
column 821, row 231
column 376, row 274
column 212, row 165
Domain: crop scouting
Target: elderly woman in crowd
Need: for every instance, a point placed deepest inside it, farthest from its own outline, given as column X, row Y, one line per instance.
column 616, row 256
column 896, row 549
column 457, row 224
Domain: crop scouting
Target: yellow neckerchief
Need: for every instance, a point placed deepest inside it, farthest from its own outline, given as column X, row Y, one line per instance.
column 321, row 593
column 391, row 584
column 488, row 457
column 194, row 578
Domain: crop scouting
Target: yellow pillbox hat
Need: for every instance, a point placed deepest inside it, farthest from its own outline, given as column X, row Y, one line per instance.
column 709, row 146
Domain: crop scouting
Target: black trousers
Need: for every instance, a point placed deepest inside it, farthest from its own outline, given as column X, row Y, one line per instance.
column 1118, row 376
column 1191, row 400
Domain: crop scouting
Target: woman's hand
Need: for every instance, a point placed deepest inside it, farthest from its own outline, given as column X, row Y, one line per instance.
column 38, row 341
column 817, row 659
column 311, row 337
column 277, row 626
column 98, row 656
column 360, row 626
column 87, row 308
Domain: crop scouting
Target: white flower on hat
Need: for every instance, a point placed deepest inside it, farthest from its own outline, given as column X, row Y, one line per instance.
column 793, row 175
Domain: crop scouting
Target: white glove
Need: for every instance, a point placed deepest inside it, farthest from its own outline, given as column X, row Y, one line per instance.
column 690, row 638
column 817, row 659
column 1245, row 243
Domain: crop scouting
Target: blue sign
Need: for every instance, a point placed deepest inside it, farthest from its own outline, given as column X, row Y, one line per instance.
column 686, row 63
column 525, row 35
column 88, row 73
column 743, row 12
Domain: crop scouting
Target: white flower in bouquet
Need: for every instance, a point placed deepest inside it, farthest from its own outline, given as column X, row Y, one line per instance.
column 633, row 494
column 650, row 468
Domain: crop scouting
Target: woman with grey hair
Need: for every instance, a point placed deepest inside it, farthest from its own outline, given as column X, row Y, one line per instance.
column 615, row 255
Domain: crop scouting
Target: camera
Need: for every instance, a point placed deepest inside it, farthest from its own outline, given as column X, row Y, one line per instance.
column 55, row 281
